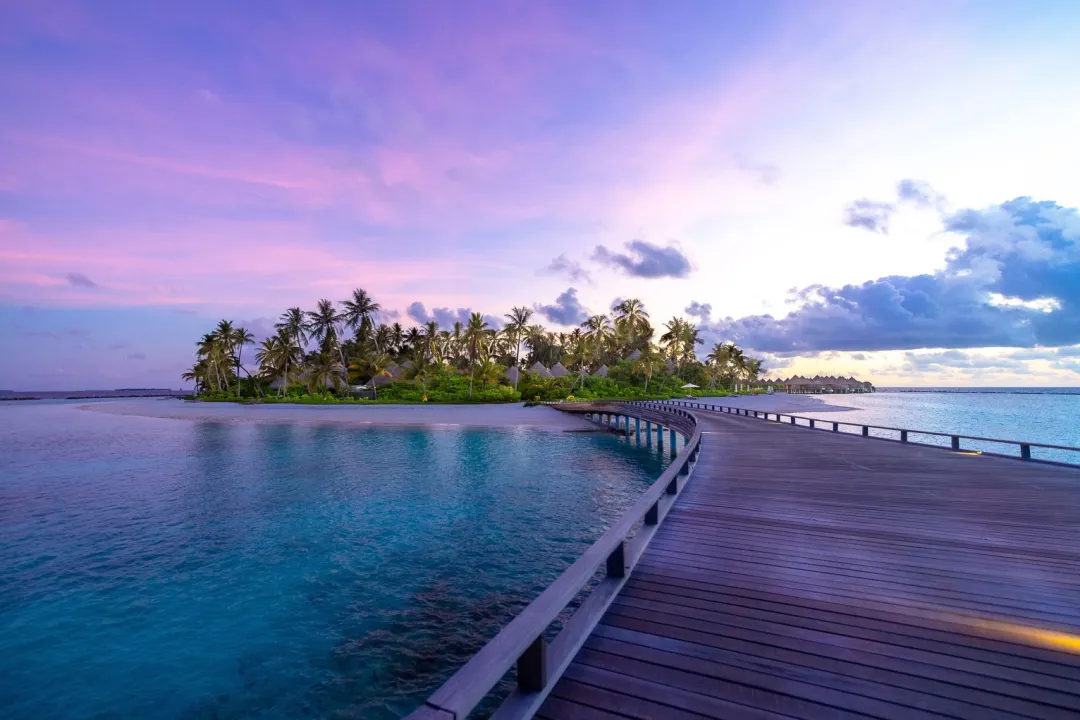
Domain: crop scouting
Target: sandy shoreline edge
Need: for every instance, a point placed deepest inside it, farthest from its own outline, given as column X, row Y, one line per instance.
column 489, row 416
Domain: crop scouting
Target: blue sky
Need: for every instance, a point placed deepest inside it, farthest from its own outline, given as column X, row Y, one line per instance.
column 840, row 184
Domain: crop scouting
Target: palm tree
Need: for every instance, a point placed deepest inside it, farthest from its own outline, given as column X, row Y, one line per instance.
column 323, row 322
column 294, row 322
column 474, row 334
column 631, row 320
column 421, row 369
column 397, row 337
column 519, row 323
column 375, row 365
column 240, row 338
column 211, row 350
column 648, row 363
column 359, row 311
column 598, row 333
column 414, row 338
column 323, row 371
column 431, row 339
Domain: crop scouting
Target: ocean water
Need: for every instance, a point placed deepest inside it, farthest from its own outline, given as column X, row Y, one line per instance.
column 1039, row 415
column 176, row 569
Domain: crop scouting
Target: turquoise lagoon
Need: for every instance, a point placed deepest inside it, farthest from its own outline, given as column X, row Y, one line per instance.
column 180, row 569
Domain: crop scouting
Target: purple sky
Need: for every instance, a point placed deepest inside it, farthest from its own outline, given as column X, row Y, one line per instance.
column 167, row 164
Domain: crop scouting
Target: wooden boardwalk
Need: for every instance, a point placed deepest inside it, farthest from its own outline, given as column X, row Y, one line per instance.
column 807, row 574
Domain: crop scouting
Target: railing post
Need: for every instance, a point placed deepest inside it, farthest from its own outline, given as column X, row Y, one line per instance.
column 811, row 422
column 836, row 427
column 792, row 419
column 866, row 431
column 955, row 442
column 616, row 561
column 652, row 515
column 1025, row 452
column 673, row 486
column 532, row 666
column 903, row 436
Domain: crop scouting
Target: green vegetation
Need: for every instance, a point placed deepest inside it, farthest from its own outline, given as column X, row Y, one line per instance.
column 338, row 354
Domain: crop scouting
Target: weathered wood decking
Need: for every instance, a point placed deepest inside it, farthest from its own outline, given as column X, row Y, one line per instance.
column 816, row 575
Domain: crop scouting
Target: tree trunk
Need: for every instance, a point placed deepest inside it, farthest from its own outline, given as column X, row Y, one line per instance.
column 517, row 363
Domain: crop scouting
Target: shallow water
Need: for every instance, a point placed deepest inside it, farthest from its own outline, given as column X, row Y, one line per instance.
column 175, row 569
column 1040, row 415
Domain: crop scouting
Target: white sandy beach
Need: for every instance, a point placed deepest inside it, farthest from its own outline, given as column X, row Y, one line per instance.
column 516, row 415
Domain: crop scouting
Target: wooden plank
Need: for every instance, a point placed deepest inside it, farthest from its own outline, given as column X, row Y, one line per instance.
column 807, row 574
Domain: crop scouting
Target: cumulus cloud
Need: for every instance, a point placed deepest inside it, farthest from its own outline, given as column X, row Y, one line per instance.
column 389, row 315
column 645, row 260
column 869, row 214
column 1014, row 282
column 702, row 311
column 565, row 267
column 567, row 309
column 447, row 317
column 80, row 281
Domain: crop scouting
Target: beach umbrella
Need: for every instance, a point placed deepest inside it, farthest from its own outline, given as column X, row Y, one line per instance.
column 689, row 386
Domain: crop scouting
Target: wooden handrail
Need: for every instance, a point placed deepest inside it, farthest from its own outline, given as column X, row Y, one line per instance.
column 522, row 641
column 1025, row 447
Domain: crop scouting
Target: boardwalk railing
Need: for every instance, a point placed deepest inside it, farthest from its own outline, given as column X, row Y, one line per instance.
column 899, row 434
column 522, row 642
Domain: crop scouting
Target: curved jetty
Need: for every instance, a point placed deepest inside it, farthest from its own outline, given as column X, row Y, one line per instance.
column 807, row 573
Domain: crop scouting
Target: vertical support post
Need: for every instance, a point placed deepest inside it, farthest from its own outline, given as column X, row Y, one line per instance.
column 811, row 423
column 955, row 442
column 648, row 433
column 660, row 436
column 671, row 437
column 616, row 561
column 792, row 419
column 903, row 436
column 652, row 515
column 836, row 427
column 637, row 430
column 1025, row 452
column 532, row 666
column 866, row 431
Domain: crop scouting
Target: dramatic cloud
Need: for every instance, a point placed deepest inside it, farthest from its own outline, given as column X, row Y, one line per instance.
column 389, row 315
column 570, row 269
column 1015, row 282
column 567, row 309
column 645, row 260
column 869, row 214
column 80, row 281
column 702, row 311
column 447, row 317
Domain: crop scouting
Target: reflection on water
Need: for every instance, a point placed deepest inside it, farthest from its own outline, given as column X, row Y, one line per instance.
column 175, row 569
